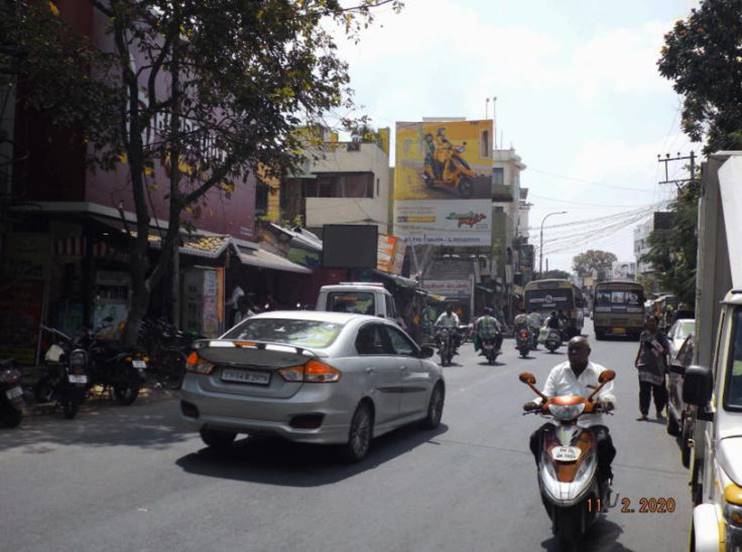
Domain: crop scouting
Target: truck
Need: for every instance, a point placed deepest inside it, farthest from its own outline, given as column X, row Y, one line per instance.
column 712, row 385
column 370, row 298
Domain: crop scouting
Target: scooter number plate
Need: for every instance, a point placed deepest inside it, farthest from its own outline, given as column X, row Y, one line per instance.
column 139, row 364
column 78, row 379
column 13, row 393
column 565, row 454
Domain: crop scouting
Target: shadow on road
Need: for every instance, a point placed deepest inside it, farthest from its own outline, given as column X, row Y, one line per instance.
column 602, row 537
column 279, row 462
column 106, row 425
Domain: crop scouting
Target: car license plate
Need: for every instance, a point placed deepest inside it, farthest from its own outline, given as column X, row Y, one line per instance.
column 253, row 377
column 78, row 379
column 14, row 392
column 565, row 454
column 619, row 331
column 139, row 364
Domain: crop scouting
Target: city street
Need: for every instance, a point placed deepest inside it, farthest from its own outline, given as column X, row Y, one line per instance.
column 133, row 478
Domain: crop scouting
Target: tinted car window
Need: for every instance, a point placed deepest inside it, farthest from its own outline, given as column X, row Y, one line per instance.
column 357, row 302
column 372, row 341
column 299, row 333
column 400, row 343
column 734, row 383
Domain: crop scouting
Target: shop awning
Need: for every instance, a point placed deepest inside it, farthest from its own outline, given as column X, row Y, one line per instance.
column 399, row 280
column 263, row 259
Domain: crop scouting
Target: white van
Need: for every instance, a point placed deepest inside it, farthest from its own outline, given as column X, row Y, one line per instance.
column 370, row 298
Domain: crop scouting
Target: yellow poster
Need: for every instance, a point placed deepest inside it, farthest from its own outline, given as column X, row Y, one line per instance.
column 443, row 160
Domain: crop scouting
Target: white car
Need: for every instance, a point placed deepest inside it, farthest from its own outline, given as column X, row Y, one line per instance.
column 311, row 377
column 679, row 331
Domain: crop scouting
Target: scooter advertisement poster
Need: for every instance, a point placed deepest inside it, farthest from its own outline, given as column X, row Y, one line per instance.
column 443, row 182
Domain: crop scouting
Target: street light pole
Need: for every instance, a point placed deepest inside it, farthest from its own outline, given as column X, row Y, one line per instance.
column 541, row 247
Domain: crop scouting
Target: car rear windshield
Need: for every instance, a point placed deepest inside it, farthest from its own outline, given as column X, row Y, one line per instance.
column 356, row 302
column 299, row 333
column 685, row 329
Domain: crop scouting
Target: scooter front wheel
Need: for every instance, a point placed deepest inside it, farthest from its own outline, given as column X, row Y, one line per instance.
column 568, row 528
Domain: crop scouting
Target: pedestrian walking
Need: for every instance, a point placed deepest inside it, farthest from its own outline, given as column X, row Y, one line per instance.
column 651, row 362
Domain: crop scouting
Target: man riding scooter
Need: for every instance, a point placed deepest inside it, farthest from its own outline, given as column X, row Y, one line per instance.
column 578, row 376
column 450, row 321
column 487, row 327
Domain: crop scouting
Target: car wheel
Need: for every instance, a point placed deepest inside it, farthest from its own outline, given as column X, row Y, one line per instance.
column 359, row 435
column 217, row 439
column 672, row 424
column 435, row 407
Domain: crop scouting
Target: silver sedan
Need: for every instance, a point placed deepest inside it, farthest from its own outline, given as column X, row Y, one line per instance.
column 311, row 377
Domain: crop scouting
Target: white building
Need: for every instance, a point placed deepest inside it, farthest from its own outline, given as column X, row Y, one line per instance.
column 348, row 184
column 641, row 245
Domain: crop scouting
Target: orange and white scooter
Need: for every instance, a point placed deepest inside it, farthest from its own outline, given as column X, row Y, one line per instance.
column 568, row 467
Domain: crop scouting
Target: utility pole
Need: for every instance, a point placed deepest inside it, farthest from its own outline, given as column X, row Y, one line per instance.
column 541, row 246
column 667, row 160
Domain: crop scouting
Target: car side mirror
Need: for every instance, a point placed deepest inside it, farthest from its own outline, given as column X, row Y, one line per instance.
column 426, row 351
column 697, row 385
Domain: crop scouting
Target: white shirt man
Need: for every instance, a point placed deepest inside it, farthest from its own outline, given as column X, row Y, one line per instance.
column 562, row 381
column 448, row 320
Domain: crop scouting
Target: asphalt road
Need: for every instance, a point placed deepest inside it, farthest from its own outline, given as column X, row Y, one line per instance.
column 133, row 479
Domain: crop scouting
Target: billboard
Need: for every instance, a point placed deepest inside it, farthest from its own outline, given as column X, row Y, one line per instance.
column 349, row 246
column 443, row 182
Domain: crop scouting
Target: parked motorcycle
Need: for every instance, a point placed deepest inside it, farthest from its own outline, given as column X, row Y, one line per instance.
column 167, row 349
column 11, row 395
column 65, row 380
column 446, row 340
column 568, row 467
column 118, row 368
column 523, row 342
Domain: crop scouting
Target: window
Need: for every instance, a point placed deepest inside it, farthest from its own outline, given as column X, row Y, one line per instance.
column 298, row 333
column 485, row 144
column 733, row 391
column 341, row 185
column 401, row 345
column 372, row 341
column 356, row 302
column 498, row 176
column 261, row 199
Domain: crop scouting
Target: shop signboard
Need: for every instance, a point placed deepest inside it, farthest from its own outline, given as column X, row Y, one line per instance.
column 443, row 183
column 451, row 289
column 203, row 300
column 387, row 248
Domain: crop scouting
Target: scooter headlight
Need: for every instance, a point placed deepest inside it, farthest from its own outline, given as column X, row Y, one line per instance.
column 566, row 413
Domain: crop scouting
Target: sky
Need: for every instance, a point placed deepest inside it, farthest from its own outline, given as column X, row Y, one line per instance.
column 578, row 97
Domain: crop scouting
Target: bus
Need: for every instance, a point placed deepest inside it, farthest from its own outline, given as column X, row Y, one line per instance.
column 618, row 309
column 545, row 296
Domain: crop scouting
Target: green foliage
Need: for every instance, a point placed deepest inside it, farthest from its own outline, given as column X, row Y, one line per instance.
column 673, row 252
column 48, row 68
column 593, row 259
column 701, row 55
column 556, row 274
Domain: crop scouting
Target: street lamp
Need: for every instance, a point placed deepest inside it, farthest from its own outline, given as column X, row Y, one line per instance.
column 541, row 247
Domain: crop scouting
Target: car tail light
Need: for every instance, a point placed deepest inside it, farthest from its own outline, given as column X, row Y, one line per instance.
column 198, row 365
column 313, row 371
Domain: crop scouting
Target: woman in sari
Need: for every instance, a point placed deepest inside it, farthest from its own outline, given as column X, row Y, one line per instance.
column 651, row 362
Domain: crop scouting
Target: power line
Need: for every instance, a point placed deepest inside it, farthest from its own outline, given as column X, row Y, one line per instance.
column 591, row 182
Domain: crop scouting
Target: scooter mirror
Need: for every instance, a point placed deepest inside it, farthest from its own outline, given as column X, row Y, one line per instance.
column 527, row 377
column 606, row 376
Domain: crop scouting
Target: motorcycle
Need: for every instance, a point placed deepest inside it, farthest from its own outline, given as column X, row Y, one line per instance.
column 452, row 171
column 11, row 395
column 446, row 341
column 118, row 368
column 523, row 342
column 567, row 469
column 65, row 381
column 167, row 349
column 490, row 349
column 552, row 339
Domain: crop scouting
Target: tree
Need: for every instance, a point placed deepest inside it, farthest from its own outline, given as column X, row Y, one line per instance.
column 45, row 67
column 216, row 91
column 702, row 56
column 673, row 251
column 557, row 274
column 593, row 260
